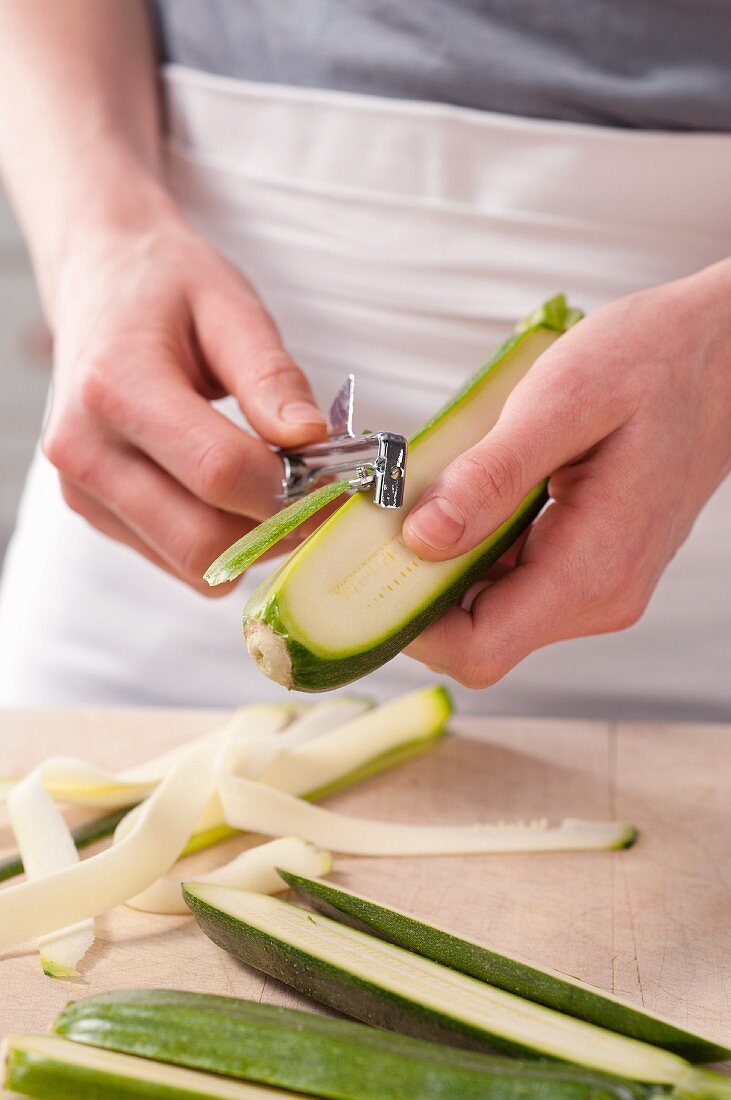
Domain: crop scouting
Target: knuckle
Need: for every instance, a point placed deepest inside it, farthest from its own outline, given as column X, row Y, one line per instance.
column 65, row 448
column 72, row 496
column 476, row 671
column 217, row 470
column 273, row 369
column 58, row 446
column 191, row 560
column 626, row 611
column 475, row 679
column 98, row 393
column 495, row 476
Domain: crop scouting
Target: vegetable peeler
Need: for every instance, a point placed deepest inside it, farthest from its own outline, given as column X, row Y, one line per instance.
column 374, row 460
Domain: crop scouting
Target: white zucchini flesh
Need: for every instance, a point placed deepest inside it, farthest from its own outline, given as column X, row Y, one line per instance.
column 255, row 869
column 46, row 845
column 354, row 583
column 343, row 751
column 151, row 837
column 437, row 988
column 80, row 783
column 96, row 1072
column 252, row 806
column 313, row 768
column 91, row 887
column 237, row 770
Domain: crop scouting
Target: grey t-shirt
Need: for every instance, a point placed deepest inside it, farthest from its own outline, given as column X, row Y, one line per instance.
column 652, row 64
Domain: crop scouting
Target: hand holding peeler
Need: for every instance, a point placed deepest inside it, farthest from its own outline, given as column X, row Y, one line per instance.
column 374, row 460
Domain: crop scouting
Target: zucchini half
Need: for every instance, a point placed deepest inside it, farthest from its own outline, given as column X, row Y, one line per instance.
column 353, row 595
column 52, row 1069
column 535, row 983
column 317, row 1055
column 392, row 988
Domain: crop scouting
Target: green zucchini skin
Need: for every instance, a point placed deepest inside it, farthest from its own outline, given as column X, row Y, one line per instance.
column 331, row 986
column 541, row 986
column 313, row 673
column 317, row 1055
column 83, row 835
column 237, row 559
column 31, row 1075
column 366, row 998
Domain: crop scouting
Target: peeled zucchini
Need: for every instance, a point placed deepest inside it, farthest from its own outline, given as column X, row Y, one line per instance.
column 353, row 595
column 535, row 983
column 398, row 990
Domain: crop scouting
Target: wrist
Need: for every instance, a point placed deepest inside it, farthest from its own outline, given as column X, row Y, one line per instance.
column 113, row 199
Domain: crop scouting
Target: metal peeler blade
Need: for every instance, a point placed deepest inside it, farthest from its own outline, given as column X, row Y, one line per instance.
column 373, row 460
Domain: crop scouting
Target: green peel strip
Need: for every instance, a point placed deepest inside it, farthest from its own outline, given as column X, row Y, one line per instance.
column 237, row 559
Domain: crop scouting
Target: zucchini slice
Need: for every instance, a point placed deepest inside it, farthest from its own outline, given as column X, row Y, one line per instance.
column 366, row 745
column 353, row 595
column 535, row 983
column 44, row 1066
column 395, row 989
column 234, row 561
column 317, row 1055
column 83, row 835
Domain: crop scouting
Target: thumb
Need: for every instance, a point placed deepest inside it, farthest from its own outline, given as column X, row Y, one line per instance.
column 539, row 430
column 242, row 346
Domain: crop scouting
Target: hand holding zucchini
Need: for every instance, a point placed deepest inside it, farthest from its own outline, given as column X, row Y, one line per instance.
column 353, row 596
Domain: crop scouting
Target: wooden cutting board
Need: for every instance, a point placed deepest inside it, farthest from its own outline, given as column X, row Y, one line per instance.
column 651, row 924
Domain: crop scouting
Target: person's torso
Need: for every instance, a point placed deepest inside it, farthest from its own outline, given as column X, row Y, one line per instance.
column 650, row 64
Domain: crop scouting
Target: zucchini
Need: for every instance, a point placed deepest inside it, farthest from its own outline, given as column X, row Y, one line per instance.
column 367, row 745
column 234, row 561
column 317, row 1055
column 44, row 1066
column 353, row 596
column 395, row 989
column 83, row 836
column 535, row 983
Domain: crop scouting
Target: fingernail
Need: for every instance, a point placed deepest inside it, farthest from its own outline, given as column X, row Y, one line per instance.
column 437, row 523
column 301, row 412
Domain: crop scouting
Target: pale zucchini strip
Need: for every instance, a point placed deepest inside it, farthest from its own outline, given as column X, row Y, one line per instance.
column 254, row 757
column 254, row 869
column 258, row 808
column 311, row 769
column 79, row 783
column 7, row 782
column 152, row 836
column 46, row 845
column 260, row 750
column 84, row 890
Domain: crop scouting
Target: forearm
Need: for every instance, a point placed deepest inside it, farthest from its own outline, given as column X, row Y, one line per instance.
column 79, row 122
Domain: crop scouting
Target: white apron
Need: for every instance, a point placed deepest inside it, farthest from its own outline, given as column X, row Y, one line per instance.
column 400, row 241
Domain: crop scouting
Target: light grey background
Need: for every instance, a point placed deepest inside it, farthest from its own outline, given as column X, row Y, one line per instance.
column 24, row 364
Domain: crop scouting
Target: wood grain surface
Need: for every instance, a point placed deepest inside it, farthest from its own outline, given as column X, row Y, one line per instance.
column 651, row 924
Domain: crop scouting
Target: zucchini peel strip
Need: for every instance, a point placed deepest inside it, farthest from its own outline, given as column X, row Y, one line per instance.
column 255, row 869
column 237, row 559
column 46, row 845
column 250, row 774
column 255, row 807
